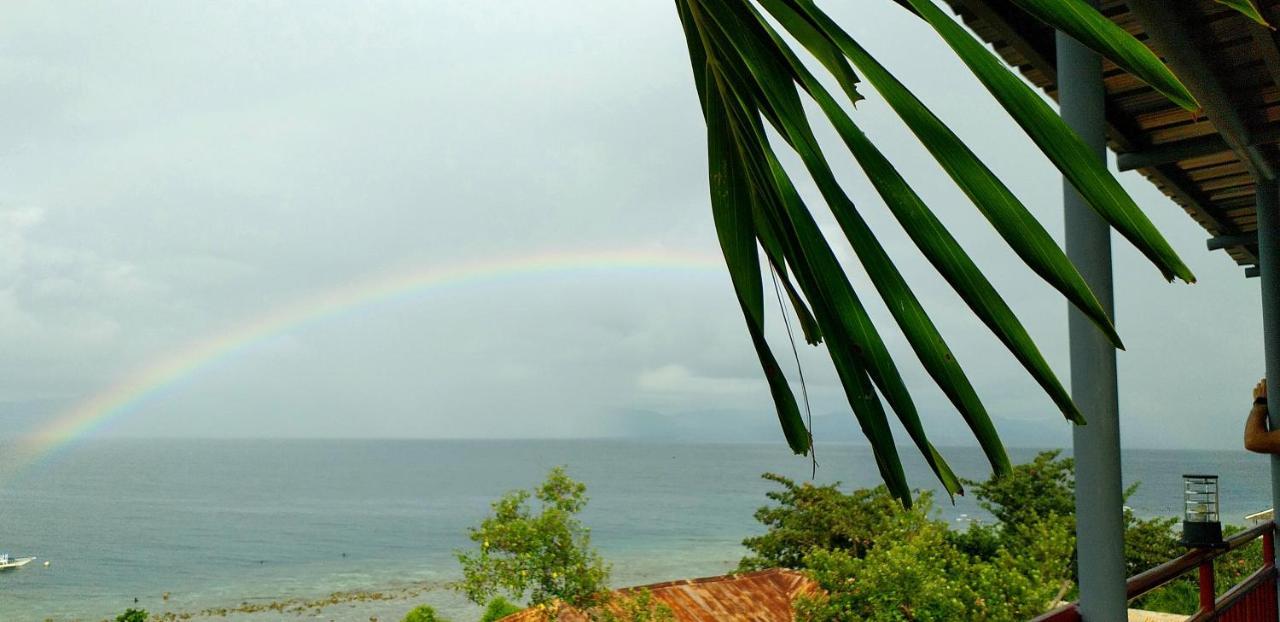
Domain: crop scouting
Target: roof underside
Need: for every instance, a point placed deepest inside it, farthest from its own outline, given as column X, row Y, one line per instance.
column 1206, row 163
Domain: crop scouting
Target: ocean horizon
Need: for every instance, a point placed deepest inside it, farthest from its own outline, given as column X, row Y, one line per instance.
column 226, row 525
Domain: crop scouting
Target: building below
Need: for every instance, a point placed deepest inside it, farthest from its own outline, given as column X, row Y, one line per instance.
column 764, row 596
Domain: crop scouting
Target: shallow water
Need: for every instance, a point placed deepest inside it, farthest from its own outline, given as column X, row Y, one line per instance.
column 218, row 523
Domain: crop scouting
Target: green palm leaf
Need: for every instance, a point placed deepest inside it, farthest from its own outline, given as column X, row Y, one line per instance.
column 737, row 243
column 772, row 80
column 1086, row 25
column 1013, row 220
column 748, row 78
column 1247, row 8
column 1072, row 157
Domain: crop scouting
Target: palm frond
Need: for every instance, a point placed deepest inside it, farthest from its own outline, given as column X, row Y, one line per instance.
column 749, row 79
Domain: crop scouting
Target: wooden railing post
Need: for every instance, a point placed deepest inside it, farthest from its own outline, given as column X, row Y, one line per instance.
column 1252, row 600
column 1206, row 586
column 1271, row 610
column 1269, row 547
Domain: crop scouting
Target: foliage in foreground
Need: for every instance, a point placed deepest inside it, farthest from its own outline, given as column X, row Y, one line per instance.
column 1045, row 486
column 912, row 569
column 634, row 606
column 499, row 608
column 133, row 615
column 540, row 555
column 545, row 555
column 881, row 562
column 423, row 613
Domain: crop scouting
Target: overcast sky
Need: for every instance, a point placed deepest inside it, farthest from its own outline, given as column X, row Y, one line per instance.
column 169, row 171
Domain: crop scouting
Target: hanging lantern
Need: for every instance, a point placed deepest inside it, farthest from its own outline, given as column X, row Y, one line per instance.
column 1200, row 523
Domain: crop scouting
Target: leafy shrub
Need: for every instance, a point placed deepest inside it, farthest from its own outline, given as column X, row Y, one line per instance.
column 544, row 557
column 978, row 540
column 499, row 608
column 133, row 615
column 423, row 613
column 635, row 606
column 1045, row 488
column 806, row 517
column 1031, row 492
column 912, row 571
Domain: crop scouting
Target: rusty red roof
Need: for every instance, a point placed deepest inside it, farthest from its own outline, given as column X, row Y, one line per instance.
column 763, row 596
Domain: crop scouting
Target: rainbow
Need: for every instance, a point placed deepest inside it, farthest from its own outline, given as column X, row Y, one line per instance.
column 143, row 383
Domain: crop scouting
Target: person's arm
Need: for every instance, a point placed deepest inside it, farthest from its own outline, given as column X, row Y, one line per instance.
column 1256, row 435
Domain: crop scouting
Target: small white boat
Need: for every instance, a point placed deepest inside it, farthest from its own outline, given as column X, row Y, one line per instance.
column 9, row 563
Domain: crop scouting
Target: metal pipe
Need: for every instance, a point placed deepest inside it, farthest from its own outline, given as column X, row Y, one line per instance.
column 1099, row 491
column 1268, row 208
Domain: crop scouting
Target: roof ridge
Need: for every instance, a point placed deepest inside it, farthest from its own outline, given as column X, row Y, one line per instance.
column 733, row 576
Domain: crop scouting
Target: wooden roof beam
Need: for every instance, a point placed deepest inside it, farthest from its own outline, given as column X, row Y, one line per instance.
column 1264, row 39
column 1168, row 153
column 1247, row 243
column 1171, row 35
column 1235, row 239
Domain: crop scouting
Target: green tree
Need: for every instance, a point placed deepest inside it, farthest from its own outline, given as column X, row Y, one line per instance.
column 913, row 573
column 1004, row 568
column 631, row 606
column 1044, row 489
column 806, row 516
column 540, row 555
column 423, row 613
column 1031, row 491
column 133, row 615
column 498, row 608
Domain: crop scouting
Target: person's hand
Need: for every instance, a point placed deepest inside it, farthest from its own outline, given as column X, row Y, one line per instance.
column 1260, row 391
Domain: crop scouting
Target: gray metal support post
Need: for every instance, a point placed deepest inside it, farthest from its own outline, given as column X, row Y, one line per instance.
column 1268, row 206
column 1099, row 494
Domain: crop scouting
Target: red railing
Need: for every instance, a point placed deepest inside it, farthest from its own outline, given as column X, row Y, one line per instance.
column 1253, row 600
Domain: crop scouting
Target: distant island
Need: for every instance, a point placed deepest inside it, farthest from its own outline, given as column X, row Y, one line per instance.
column 739, row 426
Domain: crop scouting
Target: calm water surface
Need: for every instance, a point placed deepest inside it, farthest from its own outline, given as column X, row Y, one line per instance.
column 217, row 523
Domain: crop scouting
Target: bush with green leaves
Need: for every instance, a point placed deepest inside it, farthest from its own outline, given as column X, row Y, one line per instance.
column 1045, row 488
column 133, row 615
column 499, row 608
column 539, row 554
column 912, row 571
column 836, row 536
column 632, row 606
column 423, row 613
column 806, row 516
column 1031, row 491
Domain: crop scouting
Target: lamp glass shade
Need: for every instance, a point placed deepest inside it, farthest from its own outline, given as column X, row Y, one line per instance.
column 1200, row 498
column 1200, row 516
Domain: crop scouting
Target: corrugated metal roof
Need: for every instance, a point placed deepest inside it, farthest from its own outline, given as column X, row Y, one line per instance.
column 764, row 596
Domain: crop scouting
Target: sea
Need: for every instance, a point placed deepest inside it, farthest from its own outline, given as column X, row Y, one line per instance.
column 366, row 529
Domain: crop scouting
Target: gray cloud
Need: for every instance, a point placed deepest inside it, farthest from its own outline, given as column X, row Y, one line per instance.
column 174, row 170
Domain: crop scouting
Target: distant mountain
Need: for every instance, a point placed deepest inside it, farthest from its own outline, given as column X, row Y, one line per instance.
column 740, row 426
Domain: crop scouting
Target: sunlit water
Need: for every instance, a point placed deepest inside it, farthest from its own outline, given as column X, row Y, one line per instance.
column 218, row 523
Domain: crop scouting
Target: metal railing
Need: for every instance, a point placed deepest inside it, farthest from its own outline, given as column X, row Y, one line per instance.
column 1252, row 600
